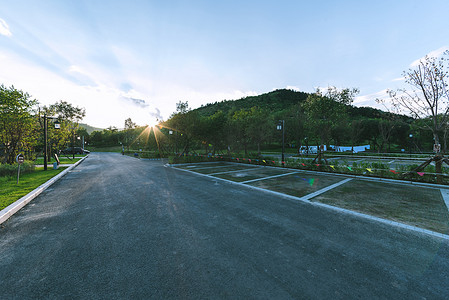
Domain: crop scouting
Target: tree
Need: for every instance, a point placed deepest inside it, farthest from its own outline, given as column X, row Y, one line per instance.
column 294, row 124
column 129, row 126
column 16, row 123
column 240, row 123
column 183, row 121
column 325, row 110
column 428, row 99
column 259, row 126
column 68, row 116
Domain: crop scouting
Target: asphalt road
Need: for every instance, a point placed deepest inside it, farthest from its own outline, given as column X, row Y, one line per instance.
column 118, row 227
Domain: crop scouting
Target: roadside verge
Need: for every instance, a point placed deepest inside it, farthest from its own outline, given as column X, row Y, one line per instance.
column 10, row 210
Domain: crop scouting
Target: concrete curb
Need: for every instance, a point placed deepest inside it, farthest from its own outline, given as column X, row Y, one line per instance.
column 11, row 209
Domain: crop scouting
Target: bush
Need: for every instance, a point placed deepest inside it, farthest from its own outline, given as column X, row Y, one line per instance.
column 11, row 170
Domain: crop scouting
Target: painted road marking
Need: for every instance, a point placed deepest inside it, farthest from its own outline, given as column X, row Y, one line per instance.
column 243, row 170
column 330, row 207
column 212, row 167
column 319, row 192
column 269, row 177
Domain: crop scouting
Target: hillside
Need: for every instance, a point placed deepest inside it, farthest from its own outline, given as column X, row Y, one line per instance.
column 274, row 101
column 89, row 128
column 283, row 99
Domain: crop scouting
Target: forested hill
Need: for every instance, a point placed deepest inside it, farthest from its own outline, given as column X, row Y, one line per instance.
column 89, row 128
column 274, row 101
column 283, row 99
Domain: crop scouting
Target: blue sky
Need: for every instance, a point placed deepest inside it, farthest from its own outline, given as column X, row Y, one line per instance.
column 137, row 59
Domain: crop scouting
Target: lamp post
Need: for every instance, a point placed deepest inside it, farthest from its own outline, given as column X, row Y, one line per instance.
column 410, row 145
column 57, row 126
column 171, row 133
column 281, row 126
column 307, row 145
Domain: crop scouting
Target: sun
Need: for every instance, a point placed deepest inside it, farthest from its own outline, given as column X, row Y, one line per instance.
column 153, row 123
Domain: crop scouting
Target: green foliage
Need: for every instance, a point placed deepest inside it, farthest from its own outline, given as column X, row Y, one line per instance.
column 273, row 101
column 68, row 116
column 17, row 125
column 11, row 170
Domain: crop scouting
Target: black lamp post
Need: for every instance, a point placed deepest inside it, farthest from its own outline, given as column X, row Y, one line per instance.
column 281, row 126
column 176, row 138
column 410, row 145
column 307, row 145
column 57, row 126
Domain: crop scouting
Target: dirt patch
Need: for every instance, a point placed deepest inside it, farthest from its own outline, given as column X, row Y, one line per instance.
column 417, row 206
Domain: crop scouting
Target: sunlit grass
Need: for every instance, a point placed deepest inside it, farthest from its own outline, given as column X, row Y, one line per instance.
column 62, row 160
column 10, row 191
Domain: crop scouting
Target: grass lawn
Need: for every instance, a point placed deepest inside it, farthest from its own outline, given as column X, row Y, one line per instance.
column 10, row 191
column 417, row 206
column 62, row 160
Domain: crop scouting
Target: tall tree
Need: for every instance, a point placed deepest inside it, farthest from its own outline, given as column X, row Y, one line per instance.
column 129, row 137
column 428, row 98
column 326, row 109
column 69, row 117
column 259, row 126
column 16, row 122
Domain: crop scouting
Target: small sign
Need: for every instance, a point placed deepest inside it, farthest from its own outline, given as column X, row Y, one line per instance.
column 20, row 159
column 437, row 148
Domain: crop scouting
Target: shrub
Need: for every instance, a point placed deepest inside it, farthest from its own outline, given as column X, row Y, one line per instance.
column 11, row 170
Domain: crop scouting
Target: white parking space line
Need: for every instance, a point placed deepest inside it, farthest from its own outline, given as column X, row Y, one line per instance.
column 212, row 167
column 445, row 195
column 306, row 199
column 269, row 177
column 243, row 170
column 319, row 192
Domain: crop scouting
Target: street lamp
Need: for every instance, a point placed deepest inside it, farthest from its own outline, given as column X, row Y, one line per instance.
column 176, row 143
column 281, row 126
column 410, row 145
column 307, row 145
column 57, row 126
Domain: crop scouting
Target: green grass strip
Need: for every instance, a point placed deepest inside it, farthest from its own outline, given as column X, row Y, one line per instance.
column 10, row 191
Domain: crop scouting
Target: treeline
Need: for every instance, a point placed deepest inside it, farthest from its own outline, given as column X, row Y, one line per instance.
column 22, row 125
column 325, row 117
column 249, row 126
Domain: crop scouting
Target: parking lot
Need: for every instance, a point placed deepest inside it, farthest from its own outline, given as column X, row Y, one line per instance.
column 423, row 206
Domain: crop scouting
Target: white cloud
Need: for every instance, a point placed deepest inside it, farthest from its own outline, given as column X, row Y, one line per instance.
column 436, row 53
column 370, row 100
column 106, row 103
column 293, row 88
column 4, row 28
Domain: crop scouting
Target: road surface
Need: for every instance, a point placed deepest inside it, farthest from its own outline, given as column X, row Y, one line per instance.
column 119, row 227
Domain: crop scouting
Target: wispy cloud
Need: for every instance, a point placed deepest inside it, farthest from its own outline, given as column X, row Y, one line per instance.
column 370, row 100
column 4, row 28
column 135, row 98
column 436, row 53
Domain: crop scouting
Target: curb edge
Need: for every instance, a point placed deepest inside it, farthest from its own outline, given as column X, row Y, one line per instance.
column 14, row 207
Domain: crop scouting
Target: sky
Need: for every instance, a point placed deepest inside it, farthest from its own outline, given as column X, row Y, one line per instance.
column 138, row 58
